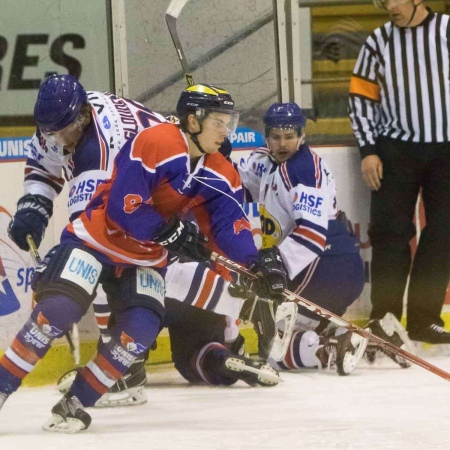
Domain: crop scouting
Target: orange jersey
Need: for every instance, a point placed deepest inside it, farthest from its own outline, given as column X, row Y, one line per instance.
column 151, row 183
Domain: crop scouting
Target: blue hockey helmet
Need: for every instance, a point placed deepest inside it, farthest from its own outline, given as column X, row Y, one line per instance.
column 59, row 102
column 284, row 115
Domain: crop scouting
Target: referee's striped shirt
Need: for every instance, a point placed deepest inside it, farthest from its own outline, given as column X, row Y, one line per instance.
column 400, row 85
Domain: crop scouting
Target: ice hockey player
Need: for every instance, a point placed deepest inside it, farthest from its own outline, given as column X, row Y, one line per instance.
column 78, row 136
column 163, row 178
column 301, row 222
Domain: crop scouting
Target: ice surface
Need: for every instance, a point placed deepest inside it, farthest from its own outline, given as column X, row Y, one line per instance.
column 377, row 407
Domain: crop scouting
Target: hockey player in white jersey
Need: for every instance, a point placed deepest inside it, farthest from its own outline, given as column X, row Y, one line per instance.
column 300, row 221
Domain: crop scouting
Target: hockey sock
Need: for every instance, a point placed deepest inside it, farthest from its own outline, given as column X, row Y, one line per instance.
column 50, row 319
column 102, row 313
column 133, row 333
column 302, row 351
column 208, row 365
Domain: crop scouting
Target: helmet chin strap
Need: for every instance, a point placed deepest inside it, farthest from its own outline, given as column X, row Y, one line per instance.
column 195, row 141
column 414, row 12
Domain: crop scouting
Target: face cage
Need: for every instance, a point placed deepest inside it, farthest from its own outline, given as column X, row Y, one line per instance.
column 201, row 114
column 52, row 136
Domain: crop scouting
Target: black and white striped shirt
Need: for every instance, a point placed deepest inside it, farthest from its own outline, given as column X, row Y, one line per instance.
column 400, row 85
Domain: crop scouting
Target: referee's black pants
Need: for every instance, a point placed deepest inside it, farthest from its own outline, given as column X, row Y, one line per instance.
column 408, row 167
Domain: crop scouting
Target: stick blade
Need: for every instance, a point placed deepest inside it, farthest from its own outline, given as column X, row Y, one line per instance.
column 175, row 8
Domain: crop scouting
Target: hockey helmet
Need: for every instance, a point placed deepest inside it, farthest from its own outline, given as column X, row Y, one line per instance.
column 202, row 99
column 383, row 4
column 59, row 102
column 284, row 115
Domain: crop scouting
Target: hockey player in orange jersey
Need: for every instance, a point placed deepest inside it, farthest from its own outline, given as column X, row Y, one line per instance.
column 164, row 179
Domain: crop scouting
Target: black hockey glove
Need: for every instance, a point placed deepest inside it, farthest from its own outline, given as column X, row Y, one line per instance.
column 184, row 239
column 32, row 216
column 272, row 277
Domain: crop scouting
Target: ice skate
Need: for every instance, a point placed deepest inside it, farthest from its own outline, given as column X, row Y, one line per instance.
column 284, row 321
column 129, row 390
column 342, row 351
column 66, row 380
column 261, row 312
column 391, row 330
column 251, row 371
column 69, row 416
column 3, row 398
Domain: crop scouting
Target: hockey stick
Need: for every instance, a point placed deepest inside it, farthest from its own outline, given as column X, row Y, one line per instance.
column 172, row 13
column 338, row 320
column 74, row 344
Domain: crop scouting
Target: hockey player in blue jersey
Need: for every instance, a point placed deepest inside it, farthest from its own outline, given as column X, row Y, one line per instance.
column 78, row 136
column 300, row 219
column 162, row 178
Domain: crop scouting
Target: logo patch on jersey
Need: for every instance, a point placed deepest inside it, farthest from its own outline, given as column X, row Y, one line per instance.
column 241, row 224
column 82, row 269
column 309, row 203
column 259, row 169
column 270, row 228
column 150, row 283
column 46, row 327
column 106, row 122
column 130, row 345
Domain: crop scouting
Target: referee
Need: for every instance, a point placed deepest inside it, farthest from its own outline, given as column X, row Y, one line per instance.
column 400, row 114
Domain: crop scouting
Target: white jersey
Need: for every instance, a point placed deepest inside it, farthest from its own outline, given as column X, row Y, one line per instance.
column 114, row 120
column 297, row 204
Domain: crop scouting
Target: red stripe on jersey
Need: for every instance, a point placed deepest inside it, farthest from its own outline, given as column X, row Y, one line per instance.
column 207, row 289
column 317, row 173
column 285, row 175
column 318, row 239
column 24, row 353
column 103, row 161
column 13, row 368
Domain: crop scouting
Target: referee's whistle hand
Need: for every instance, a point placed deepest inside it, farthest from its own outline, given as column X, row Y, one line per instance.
column 372, row 171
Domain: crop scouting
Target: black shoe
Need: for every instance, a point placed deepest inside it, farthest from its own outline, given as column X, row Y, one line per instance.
column 69, row 416
column 433, row 334
column 389, row 329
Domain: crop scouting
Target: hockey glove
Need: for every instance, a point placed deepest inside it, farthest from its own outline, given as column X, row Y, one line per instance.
column 272, row 277
column 32, row 216
column 184, row 239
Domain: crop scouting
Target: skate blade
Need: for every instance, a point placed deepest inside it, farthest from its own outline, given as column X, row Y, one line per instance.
column 57, row 424
column 65, row 382
column 285, row 322
column 393, row 325
column 265, row 376
column 129, row 397
column 351, row 360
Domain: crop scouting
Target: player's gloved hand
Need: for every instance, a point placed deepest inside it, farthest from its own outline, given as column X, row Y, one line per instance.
column 184, row 239
column 272, row 277
column 32, row 216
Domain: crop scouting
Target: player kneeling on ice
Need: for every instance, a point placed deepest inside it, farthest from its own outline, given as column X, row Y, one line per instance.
column 163, row 178
column 302, row 227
